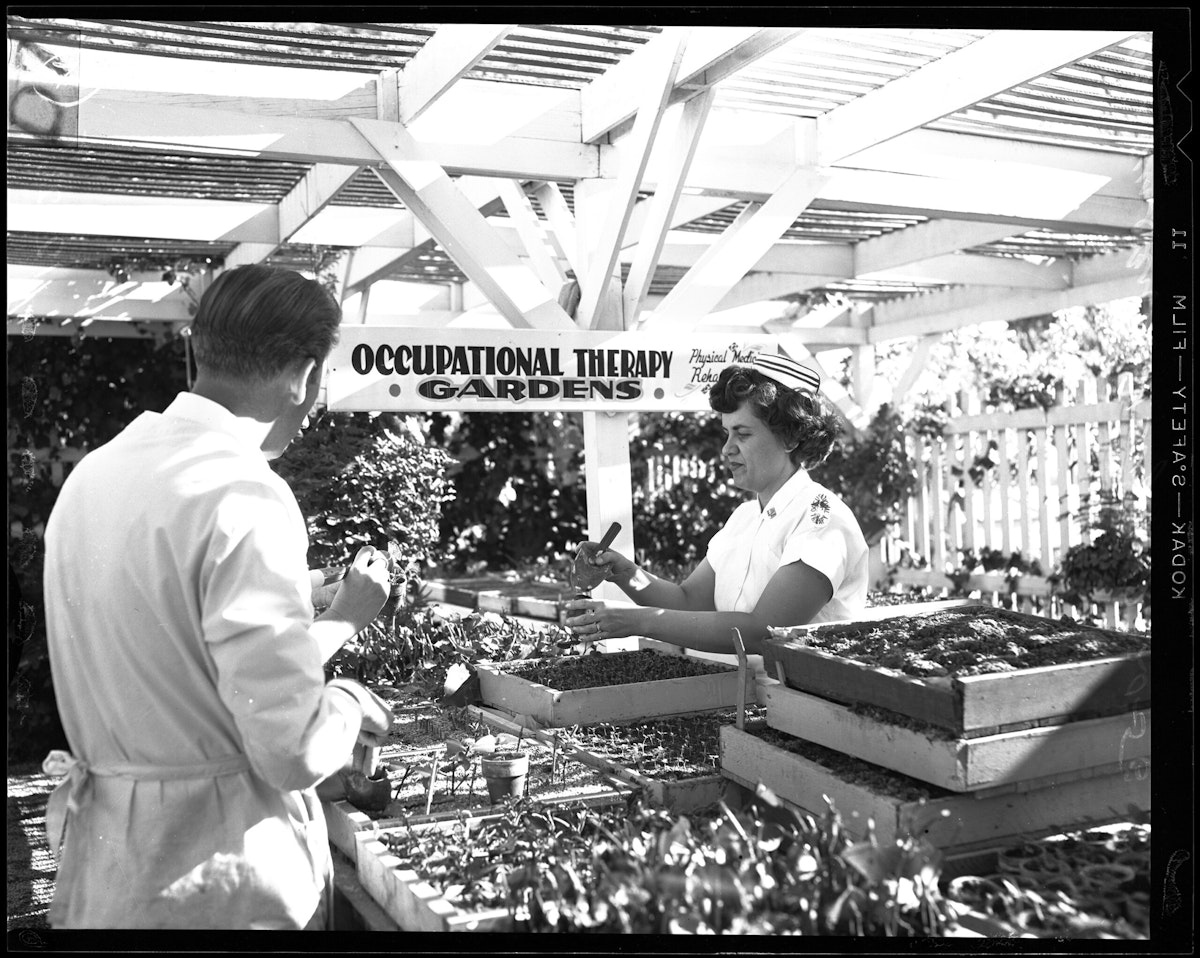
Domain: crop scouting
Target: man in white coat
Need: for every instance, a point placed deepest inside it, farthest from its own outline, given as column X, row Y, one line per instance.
column 186, row 661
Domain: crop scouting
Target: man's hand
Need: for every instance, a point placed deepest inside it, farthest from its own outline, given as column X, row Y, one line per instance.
column 365, row 588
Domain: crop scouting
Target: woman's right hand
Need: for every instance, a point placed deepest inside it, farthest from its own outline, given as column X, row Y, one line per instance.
column 614, row 565
column 365, row 588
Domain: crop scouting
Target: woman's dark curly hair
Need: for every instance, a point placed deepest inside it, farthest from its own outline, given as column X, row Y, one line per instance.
column 805, row 423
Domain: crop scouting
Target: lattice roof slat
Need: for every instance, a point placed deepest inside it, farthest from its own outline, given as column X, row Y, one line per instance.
column 98, row 252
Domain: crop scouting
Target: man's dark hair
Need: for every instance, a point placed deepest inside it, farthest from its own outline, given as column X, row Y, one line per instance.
column 803, row 421
column 255, row 321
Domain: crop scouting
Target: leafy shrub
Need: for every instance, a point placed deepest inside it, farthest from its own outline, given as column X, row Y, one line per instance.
column 366, row 479
column 1117, row 559
column 873, row 474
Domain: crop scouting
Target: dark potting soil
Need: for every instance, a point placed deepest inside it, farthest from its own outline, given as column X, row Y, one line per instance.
column 971, row 641
column 664, row 749
column 610, row 668
column 851, row 770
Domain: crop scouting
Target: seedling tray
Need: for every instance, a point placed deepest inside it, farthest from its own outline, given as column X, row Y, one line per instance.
column 966, row 705
column 1044, row 754
column 555, row 776
column 900, row 806
column 681, row 793
column 503, row 688
column 411, row 901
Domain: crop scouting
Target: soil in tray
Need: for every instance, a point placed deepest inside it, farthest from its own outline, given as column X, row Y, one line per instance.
column 1082, row 882
column 851, row 770
column 971, row 641
column 668, row 749
column 461, row 786
column 611, row 668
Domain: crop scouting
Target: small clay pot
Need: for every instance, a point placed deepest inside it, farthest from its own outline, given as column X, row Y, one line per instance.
column 505, row 774
column 368, row 794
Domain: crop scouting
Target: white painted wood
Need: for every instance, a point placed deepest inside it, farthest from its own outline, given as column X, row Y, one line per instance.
column 1104, row 441
column 426, row 189
column 974, row 269
column 609, row 483
column 960, row 765
column 967, row 403
column 315, row 140
column 737, row 250
column 445, row 57
column 652, row 234
column 687, row 208
column 1068, row 493
column 1043, row 510
column 990, row 65
column 714, row 53
column 533, row 235
column 656, row 80
column 922, row 242
column 823, row 262
column 614, row 703
column 562, row 221
column 1023, row 479
column 298, row 207
column 937, row 506
column 955, row 822
column 950, row 309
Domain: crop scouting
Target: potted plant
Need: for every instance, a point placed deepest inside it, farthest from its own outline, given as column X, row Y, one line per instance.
column 505, row 768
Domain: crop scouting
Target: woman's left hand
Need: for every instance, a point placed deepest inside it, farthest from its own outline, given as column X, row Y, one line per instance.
column 592, row 621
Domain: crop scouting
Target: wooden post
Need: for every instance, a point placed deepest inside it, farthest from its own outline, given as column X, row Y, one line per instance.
column 1065, row 486
column 1043, row 464
column 1104, row 450
column 968, row 403
column 1023, row 489
column 1125, row 395
column 938, row 561
column 1003, row 476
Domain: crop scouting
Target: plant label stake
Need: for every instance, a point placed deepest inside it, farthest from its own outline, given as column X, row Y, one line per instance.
column 741, row 654
column 433, row 770
column 585, row 576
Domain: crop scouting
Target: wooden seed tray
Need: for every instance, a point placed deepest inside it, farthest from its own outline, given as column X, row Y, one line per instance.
column 572, row 781
column 965, row 705
column 413, row 903
column 552, row 708
column 681, row 795
column 950, row 822
column 1043, row 754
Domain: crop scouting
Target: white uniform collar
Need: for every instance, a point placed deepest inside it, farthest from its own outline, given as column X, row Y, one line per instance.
column 786, row 494
column 189, row 406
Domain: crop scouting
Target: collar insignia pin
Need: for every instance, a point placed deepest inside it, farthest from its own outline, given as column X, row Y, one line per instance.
column 771, row 513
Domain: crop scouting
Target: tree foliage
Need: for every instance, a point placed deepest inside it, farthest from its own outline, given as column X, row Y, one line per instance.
column 366, row 479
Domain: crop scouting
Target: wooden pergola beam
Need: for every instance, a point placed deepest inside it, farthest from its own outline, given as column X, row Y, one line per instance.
column 533, row 235
column 456, row 223
column 737, row 249
column 950, row 309
column 657, row 80
column 991, row 65
column 299, row 206
column 443, row 59
column 713, row 54
column 652, row 234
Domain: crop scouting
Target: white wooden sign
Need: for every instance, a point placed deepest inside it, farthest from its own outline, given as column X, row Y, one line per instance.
column 399, row 368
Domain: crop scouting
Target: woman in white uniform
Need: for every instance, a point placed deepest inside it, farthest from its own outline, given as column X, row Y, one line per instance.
column 790, row 555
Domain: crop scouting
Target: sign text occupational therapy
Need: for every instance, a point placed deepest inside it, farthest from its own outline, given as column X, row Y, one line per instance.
column 407, row 369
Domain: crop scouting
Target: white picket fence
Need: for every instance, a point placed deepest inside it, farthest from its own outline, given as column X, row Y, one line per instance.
column 1042, row 467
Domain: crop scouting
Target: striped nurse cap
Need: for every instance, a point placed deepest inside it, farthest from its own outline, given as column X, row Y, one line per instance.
column 787, row 372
